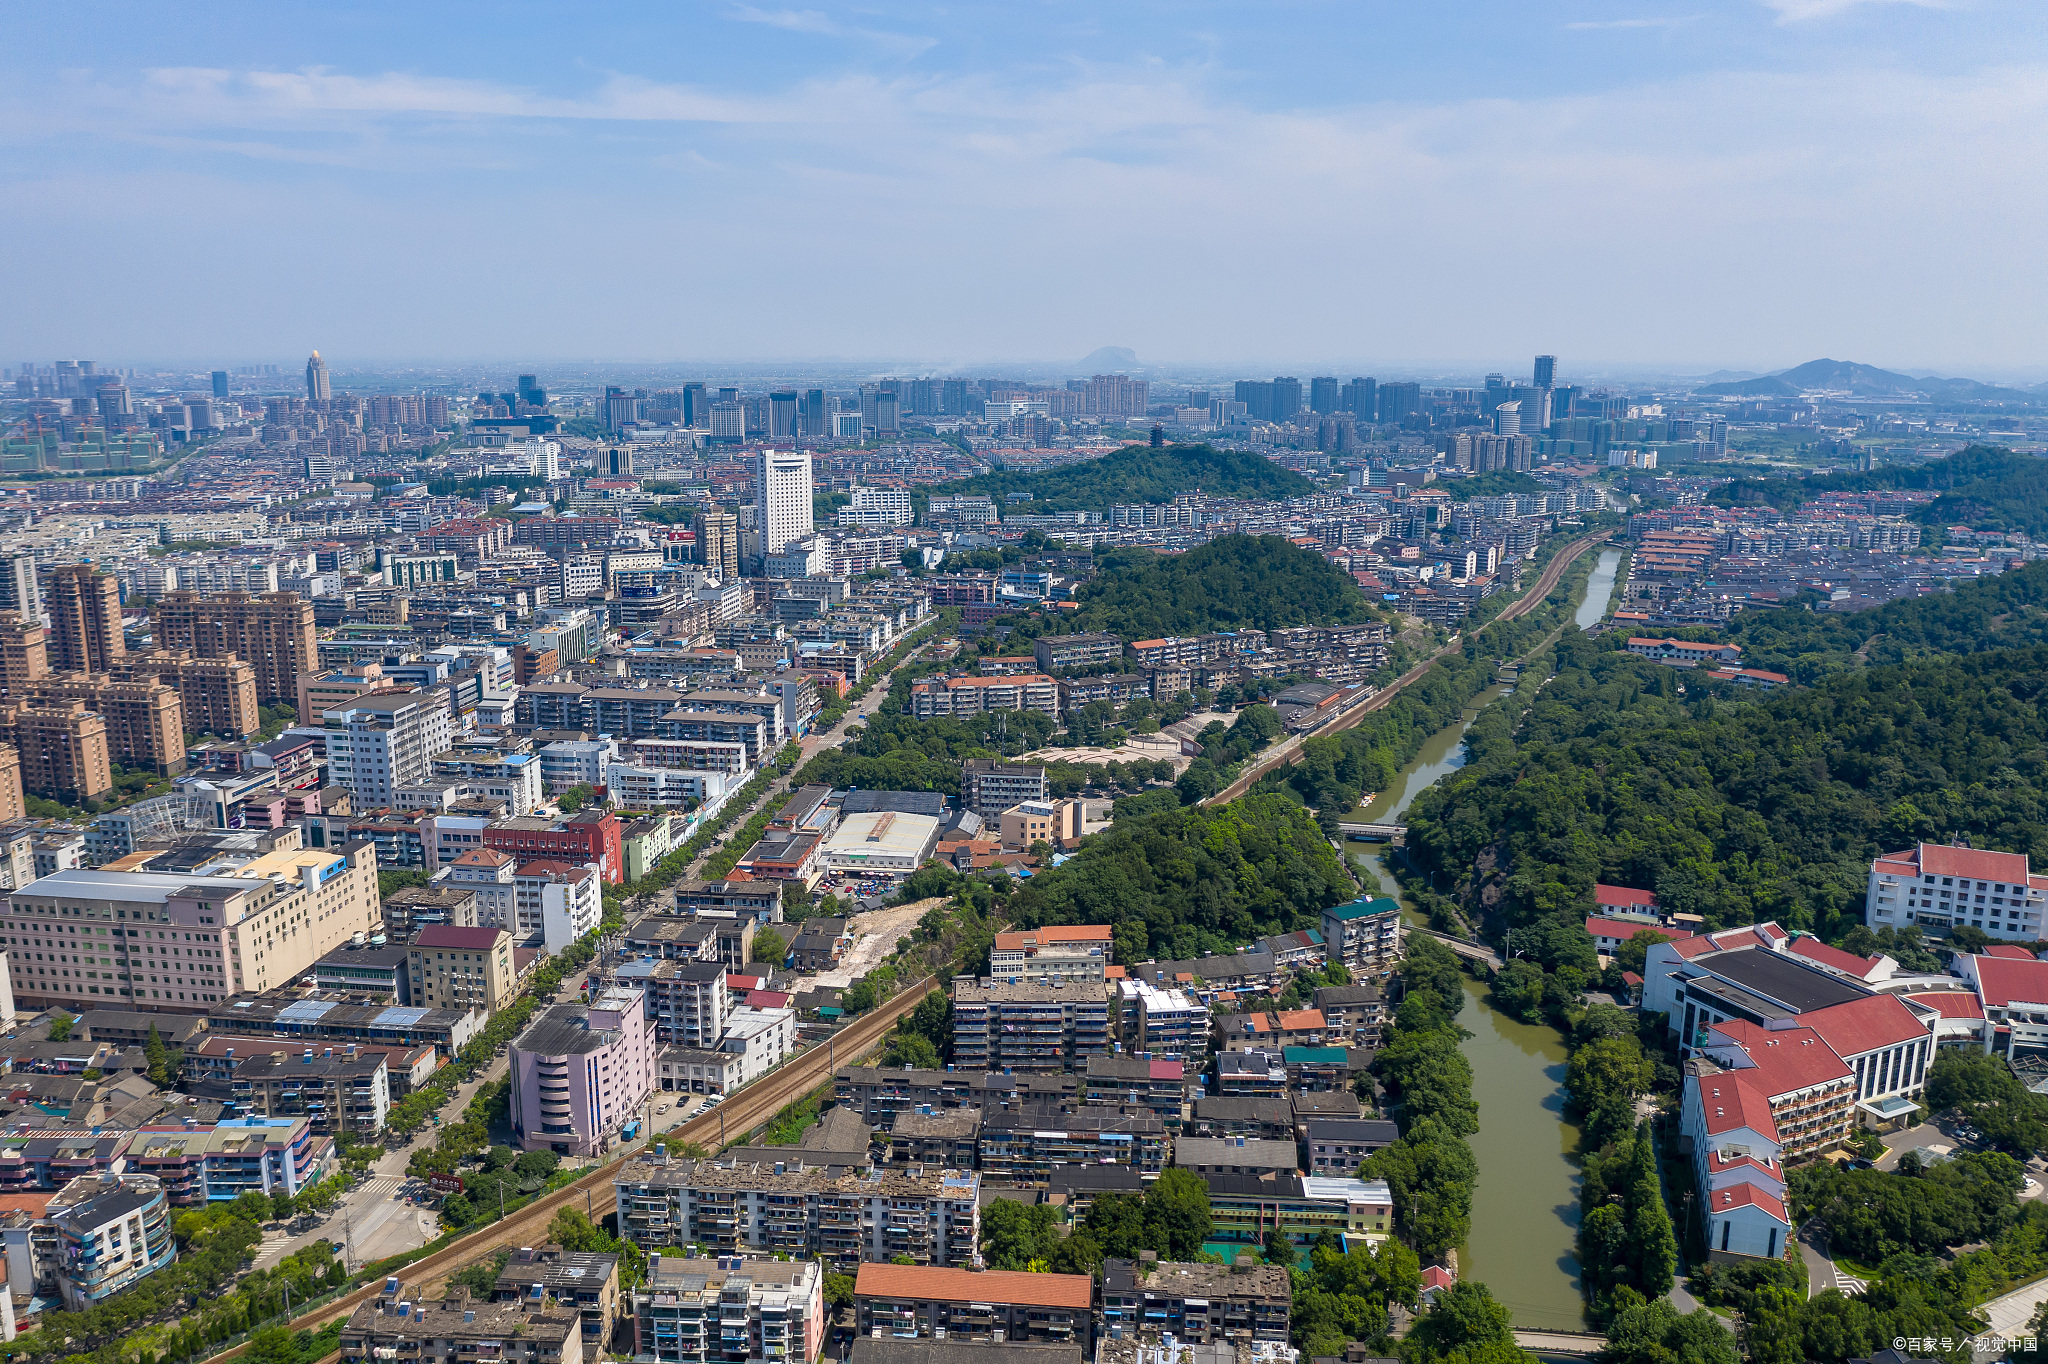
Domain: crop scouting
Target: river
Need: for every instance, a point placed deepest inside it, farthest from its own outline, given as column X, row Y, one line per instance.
column 1525, row 1210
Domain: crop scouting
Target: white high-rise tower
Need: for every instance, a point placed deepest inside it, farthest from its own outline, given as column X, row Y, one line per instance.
column 782, row 496
column 317, row 387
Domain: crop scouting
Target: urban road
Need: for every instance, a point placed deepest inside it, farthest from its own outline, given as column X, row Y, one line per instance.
column 1289, row 751
column 746, row 1110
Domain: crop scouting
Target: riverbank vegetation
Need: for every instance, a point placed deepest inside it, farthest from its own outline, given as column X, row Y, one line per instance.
column 1431, row 1168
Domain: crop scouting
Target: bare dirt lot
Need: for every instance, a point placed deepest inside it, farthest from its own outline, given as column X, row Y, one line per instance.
column 874, row 937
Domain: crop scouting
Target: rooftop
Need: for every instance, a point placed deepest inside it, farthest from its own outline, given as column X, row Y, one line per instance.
column 929, row 1283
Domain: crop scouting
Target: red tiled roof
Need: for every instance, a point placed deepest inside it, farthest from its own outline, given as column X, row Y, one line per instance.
column 1039, row 937
column 1950, row 1003
column 767, row 999
column 1865, row 1024
column 926, row 1283
column 1625, row 929
column 1727, row 1105
column 1717, row 1162
column 2011, row 951
column 1616, row 897
column 1813, row 949
column 1165, row 1070
column 448, row 935
column 2001, row 980
column 1436, row 1276
column 1299, row 1020
column 1979, row 864
column 1785, row 1060
column 1747, row 1196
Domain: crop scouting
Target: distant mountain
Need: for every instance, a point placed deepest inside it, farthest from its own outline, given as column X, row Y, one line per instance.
column 1761, row 386
column 1722, row 376
column 1865, row 381
column 1136, row 473
column 1862, row 381
column 1108, row 360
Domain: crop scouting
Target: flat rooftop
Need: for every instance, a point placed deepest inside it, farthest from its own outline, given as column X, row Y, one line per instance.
column 1778, row 977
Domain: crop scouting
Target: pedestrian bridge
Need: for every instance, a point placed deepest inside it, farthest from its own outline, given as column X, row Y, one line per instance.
column 1561, row 1342
column 1375, row 833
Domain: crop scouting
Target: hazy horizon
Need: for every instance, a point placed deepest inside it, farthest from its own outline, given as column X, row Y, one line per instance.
column 1769, row 180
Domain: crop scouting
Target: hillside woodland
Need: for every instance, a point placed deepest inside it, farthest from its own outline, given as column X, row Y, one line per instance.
column 1136, row 473
column 1985, row 486
column 1233, row 582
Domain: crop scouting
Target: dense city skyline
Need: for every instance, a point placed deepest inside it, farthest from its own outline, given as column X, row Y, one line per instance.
column 1748, row 185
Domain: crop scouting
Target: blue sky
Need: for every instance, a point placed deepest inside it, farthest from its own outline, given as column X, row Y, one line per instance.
column 1627, row 183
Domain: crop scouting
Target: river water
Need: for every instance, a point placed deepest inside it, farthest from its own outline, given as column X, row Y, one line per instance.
column 1525, row 1210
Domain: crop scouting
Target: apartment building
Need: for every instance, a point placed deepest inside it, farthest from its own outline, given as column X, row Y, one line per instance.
column 690, row 1311
column 183, row 942
column 580, row 1072
column 399, row 1322
column 586, row 1281
column 558, row 901
column 1027, row 1146
column 587, row 836
column 1939, row 886
column 688, row 1002
column 1059, row 653
column 1012, row 1024
column 1133, row 1081
column 1355, row 1015
column 491, row 876
column 61, row 748
column 451, row 967
column 84, row 607
column 1195, row 1302
column 378, row 743
column 939, row 697
column 219, row 694
column 1077, row 952
column 111, row 1233
column 829, row 1213
column 1162, row 1024
column 273, row 631
column 144, row 719
column 333, row 1018
column 1364, row 935
column 989, row 787
column 979, row 1306
column 201, row 1163
column 1338, row 1146
column 334, row 1092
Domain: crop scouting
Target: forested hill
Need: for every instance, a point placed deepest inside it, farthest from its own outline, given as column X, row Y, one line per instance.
column 1986, row 486
column 2005, row 612
column 1230, row 583
column 1739, row 810
column 1136, row 473
column 1201, row 878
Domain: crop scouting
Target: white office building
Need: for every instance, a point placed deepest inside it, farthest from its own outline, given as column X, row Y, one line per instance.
column 782, row 498
column 377, row 744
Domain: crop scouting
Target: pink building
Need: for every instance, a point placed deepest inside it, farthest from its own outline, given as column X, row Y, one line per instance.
column 581, row 1073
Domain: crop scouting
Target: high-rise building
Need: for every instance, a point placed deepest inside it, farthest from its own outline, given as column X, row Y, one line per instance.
column 85, row 619
column 953, row 398
column 1117, row 395
column 1546, row 370
column 219, row 694
column 1257, row 397
column 63, row 748
column 696, row 409
column 811, row 418
column 11, row 807
column 1535, row 407
column 782, row 496
column 376, row 744
column 273, row 632
column 530, row 391
column 728, row 420
column 1322, row 395
column 618, row 461
column 24, row 659
column 887, row 420
column 782, row 415
column 220, row 383
column 1507, row 419
column 318, row 389
column 718, row 543
column 1286, row 397
column 1398, row 401
column 144, row 719
column 18, row 590
column 1360, row 398
column 621, row 409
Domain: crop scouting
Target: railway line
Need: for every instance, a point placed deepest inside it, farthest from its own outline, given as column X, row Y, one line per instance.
column 1289, row 750
column 739, row 1115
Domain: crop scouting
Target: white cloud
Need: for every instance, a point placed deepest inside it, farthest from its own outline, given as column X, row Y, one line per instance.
column 1796, row 11
column 1703, row 218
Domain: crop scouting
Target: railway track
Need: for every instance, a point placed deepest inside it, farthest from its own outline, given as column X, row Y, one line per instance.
column 1290, row 751
column 746, row 1110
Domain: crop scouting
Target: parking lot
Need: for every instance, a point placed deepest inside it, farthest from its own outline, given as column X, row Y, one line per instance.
column 1944, row 1137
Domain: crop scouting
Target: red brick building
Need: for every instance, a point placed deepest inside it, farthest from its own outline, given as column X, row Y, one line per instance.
column 587, row 836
